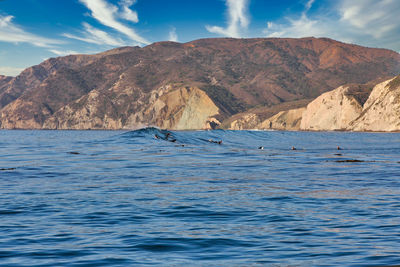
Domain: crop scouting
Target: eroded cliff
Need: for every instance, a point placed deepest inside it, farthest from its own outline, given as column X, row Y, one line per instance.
column 173, row 106
column 347, row 108
column 333, row 110
column 381, row 112
column 288, row 120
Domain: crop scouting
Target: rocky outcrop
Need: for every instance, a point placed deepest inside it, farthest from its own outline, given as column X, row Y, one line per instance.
column 284, row 120
column 347, row 108
column 333, row 110
column 172, row 106
column 288, row 120
column 278, row 117
column 246, row 121
column 381, row 112
column 184, row 108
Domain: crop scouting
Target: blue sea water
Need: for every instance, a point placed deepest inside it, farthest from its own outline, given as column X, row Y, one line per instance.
column 110, row 198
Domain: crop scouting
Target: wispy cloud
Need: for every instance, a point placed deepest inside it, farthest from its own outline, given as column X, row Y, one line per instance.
column 238, row 20
column 10, row 71
column 366, row 22
column 108, row 15
column 12, row 33
column 95, row 36
column 297, row 27
column 127, row 13
column 173, row 36
column 63, row 52
column 376, row 18
column 309, row 5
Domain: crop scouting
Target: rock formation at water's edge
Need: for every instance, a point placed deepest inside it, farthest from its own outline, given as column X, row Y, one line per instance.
column 347, row 108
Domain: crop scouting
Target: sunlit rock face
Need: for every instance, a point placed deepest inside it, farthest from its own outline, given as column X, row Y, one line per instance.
column 246, row 121
column 381, row 112
column 333, row 110
column 172, row 107
column 350, row 108
column 285, row 120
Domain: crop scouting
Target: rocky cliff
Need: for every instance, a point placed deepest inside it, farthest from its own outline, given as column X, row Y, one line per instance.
column 333, row 110
column 171, row 106
column 368, row 107
column 184, row 86
column 284, row 116
column 381, row 112
column 287, row 120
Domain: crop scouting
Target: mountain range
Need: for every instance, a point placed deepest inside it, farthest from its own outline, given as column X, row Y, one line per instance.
column 203, row 84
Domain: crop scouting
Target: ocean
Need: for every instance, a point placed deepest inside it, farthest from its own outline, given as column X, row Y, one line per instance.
column 154, row 197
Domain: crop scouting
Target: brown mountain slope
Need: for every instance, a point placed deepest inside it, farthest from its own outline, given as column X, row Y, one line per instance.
column 123, row 85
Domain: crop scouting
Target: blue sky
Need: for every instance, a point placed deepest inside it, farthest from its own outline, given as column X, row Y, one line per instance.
column 34, row 30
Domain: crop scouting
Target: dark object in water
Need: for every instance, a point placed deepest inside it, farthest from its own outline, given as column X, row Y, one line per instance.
column 261, row 147
column 73, row 153
column 338, row 154
column 216, row 142
column 351, row 160
column 166, row 137
column 339, row 148
column 7, row 169
column 293, row 148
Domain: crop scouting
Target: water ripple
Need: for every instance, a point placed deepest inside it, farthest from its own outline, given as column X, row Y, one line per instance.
column 98, row 198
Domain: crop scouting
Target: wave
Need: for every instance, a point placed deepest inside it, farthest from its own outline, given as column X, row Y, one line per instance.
column 203, row 137
column 246, row 139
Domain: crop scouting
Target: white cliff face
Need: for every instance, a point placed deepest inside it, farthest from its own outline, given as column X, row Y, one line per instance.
column 333, row 110
column 247, row 121
column 381, row 112
column 284, row 120
column 337, row 110
column 183, row 108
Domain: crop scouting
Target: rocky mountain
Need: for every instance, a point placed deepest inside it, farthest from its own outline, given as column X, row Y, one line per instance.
column 374, row 106
column 199, row 84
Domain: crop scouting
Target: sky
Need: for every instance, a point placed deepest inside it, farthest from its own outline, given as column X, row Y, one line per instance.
column 32, row 31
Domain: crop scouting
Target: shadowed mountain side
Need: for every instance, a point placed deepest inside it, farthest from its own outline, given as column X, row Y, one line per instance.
column 124, row 84
column 4, row 80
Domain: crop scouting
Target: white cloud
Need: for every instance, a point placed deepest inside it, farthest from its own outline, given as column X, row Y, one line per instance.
column 9, row 32
column 376, row 18
column 127, row 13
column 10, row 71
column 62, row 52
column 366, row 22
column 173, row 36
column 238, row 20
column 108, row 15
column 309, row 5
column 297, row 27
column 96, row 36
